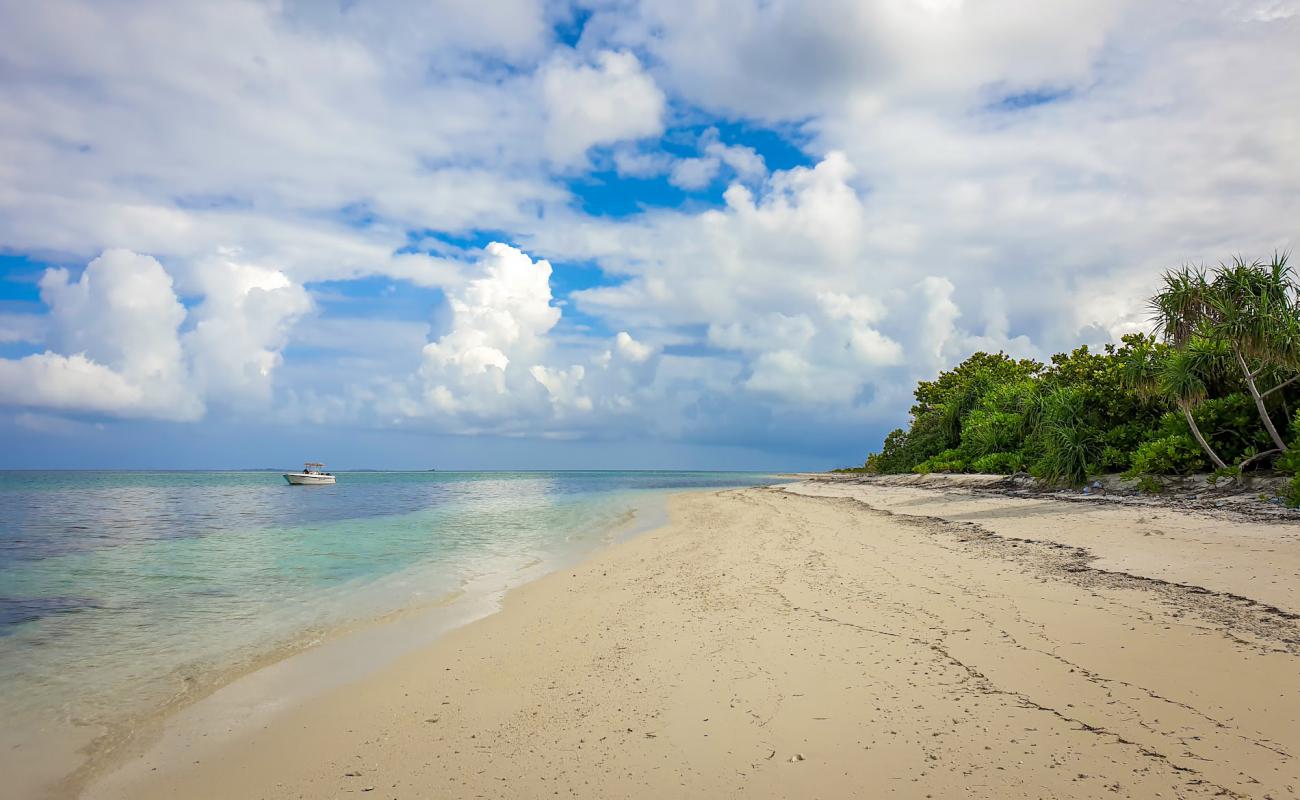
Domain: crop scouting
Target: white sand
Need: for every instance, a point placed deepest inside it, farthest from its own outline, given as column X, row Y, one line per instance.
column 771, row 644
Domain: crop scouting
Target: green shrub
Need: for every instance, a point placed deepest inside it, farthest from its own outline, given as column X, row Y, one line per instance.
column 1113, row 459
column 1289, row 462
column 1108, row 410
column 1232, row 425
column 1071, row 445
column 1224, row 473
column 998, row 463
column 948, row 461
column 942, row 406
column 1292, row 496
column 1174, row 454
column 988, row 431
column 1148, row 484
column 899, row 454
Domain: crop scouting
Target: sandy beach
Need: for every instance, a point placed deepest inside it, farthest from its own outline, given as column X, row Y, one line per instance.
column 820, row 641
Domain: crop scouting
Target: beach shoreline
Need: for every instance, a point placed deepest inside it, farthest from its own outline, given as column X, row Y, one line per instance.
column 266, row 682
column 820, row 640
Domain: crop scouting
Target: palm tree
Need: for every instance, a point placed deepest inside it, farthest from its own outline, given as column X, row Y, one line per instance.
column 1178, row 375
column 1182, row 379
column 1250, row 307
column 1253, row 308
column 1181, row 309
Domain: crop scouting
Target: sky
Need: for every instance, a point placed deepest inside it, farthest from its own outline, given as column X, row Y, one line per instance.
column 599, row 234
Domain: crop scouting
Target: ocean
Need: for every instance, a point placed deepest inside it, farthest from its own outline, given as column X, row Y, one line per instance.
column 123, row 593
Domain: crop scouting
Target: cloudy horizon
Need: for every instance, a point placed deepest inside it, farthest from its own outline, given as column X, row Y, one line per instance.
column 532, row 234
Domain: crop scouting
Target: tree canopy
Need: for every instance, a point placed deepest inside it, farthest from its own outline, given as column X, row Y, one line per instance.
column 1214, row 387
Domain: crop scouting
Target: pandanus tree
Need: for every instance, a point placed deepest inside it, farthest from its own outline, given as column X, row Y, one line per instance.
column 1247, row 313
column 1253, row 308
column 1178, row 375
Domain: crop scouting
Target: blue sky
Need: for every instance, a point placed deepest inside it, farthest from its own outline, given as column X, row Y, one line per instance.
column 531, row 234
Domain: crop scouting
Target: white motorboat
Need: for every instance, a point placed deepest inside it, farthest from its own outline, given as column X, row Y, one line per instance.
column 312, row 474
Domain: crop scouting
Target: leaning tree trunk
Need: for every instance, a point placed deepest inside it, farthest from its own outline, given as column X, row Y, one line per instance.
column 1259, row 401
column 1200, row 439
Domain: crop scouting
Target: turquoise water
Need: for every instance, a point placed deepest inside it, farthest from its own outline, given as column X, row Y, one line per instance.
column 121, row 592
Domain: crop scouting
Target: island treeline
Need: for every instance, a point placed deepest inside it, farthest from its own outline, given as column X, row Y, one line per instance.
column 1216, row 387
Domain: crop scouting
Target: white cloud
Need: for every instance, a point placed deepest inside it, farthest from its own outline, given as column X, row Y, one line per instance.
column 21, row 328
column 634, row 163
column 632, row 350
column 480, row 369
column 609, row 101
column 240, row 328
column 988, row 175
column 696, row 173
column 623, row 381
column 439, row 31
column 74, row 383
column 789, row 61
column 116, row 345
column 745, row 161
column 791, row 283
column 752, row 257
column 497, row 369
column 564, row 387
column 955, row 219
column 177, row 129
column 116, row 348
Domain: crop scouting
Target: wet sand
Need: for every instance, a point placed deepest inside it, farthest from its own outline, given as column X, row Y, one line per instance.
column 829, row 641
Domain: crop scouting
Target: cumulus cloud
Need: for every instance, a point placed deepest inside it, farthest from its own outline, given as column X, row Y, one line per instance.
column 116, row 347
column 564, row 386
column 1020, row 193
column 481, row 368
column 743, row 259
column 623, row 377
column 630, row 349
column 240, row 328
column 631, row 162
column 496, row 368
column 695, row 173
column 803, row 305
column 785, row 60
column 437, row 32
column 75, row 383
column 608, row 101
column 996, row 175
column 21, row 328
column 261, row 125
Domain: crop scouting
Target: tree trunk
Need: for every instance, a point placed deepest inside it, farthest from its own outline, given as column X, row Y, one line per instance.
column 1196, row 431
column 1257, row 457
column 1259, row 401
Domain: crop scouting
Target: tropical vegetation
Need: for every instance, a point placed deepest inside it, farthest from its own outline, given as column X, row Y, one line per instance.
column 1215, row 387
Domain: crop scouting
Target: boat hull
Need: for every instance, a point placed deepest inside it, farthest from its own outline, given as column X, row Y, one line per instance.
column 307, row 479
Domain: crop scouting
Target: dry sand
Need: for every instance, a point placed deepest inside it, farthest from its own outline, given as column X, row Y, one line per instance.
column 868, row 641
